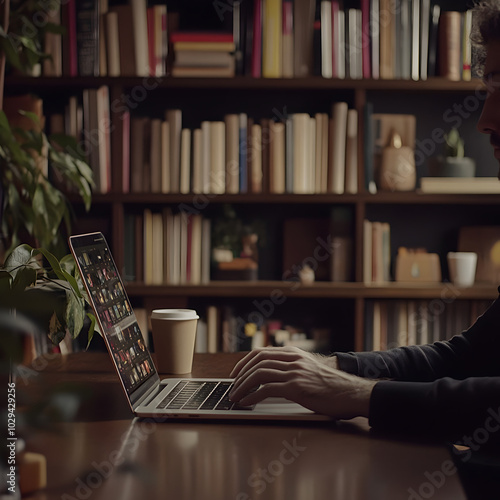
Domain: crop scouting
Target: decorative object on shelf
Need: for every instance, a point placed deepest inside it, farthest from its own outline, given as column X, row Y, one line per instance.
column 462, row 268
column 394, row 141
column 454, row 163
column 397, row 168
column 306, row 275
column 416, row 265
column 234, row 250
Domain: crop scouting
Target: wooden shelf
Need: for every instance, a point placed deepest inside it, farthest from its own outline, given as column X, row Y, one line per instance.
column 381, row 198
column 443, row 291
column 434, row 84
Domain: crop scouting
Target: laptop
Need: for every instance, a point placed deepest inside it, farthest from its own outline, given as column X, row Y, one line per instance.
column 148, row 396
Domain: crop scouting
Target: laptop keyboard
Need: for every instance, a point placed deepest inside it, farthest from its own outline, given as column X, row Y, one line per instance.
column 198, row 395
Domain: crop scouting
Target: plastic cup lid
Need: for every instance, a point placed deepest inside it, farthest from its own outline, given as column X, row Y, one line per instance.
column 174, row 314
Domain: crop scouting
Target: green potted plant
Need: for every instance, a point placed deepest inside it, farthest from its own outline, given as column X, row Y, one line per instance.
column 454, row 163
column 24, row 284
column 32, row 208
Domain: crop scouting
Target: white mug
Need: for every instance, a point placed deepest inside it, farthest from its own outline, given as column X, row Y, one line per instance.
column 462, row 268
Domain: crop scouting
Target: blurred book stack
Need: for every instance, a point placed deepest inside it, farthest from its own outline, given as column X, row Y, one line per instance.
column 200, row 54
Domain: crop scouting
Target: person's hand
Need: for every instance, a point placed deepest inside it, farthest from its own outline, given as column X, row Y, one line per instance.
column 301, row 377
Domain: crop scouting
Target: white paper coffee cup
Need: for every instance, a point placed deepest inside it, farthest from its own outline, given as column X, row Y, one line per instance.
column 174, row 336
column 462, row 268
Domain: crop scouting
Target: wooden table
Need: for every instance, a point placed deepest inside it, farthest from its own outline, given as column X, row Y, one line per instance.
column 104, row 453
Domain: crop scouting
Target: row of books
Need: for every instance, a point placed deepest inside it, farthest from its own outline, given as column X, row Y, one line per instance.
column 106, row 40
column 301, row 154
column 412, row 39
column 395, row 323
column 167, row 248
column 376, row 251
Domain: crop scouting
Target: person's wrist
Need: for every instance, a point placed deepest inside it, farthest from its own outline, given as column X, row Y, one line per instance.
column 363, row 396
column 333, row 362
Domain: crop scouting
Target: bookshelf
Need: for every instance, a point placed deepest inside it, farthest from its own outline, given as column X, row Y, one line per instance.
column 417, row 219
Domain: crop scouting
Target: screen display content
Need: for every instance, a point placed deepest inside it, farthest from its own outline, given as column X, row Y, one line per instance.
column 118, row 321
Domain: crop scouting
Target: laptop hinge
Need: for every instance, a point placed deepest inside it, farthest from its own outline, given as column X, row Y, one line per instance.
column 146, row 398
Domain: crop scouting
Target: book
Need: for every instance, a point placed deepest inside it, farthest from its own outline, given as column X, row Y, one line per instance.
column 243, row 164
column 185, row 173
column 287, row 39
column 155, row 156
column 126, row 39
column 367, row 251
column 460, row 185
column 256, row 164
column 174, row 119
column 387, row 45
column 354, row 36
column 204, row 71
column 301, row 161
column 326, row 39
column 232, row 140
column 415, row 40
column 425, row 8
column 165, row 157
column 205, row 156
column 140, row 30
column 466, row 46
column 364, row 38
column 271, row 39
column 375, row 38
column 69, row 46
column 147, row 243
column 433, row 40
column 257, row 39
column 277, row 157
column 157, row 251
column 303, row 15
column 217, row 158
column 203, row 58
column 103, row 38
column 202, row 37
column 204, row 46
column 113, row 44
column 87, row 37
column 338, row 135
column 123, row 131
column 450, row 64
column 197, row 180
column 351, row 157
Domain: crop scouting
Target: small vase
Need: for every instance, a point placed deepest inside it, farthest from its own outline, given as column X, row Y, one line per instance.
column 397, row 167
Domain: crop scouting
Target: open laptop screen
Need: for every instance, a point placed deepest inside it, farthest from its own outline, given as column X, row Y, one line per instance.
column 115, row 314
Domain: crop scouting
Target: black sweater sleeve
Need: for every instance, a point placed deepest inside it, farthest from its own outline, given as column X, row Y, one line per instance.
column 447, row 388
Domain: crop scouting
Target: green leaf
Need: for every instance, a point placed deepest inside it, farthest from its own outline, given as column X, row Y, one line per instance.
column 92, row 328
column 53, row 262
column 25, row 277
column 20, row 258
column 6, row 281
column 32, row 116
column 74, row 314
